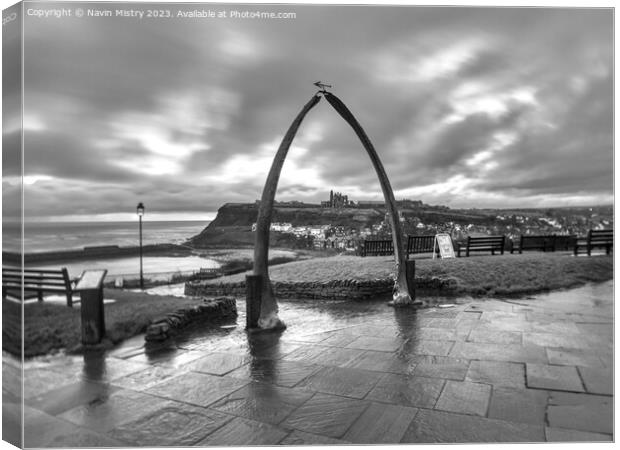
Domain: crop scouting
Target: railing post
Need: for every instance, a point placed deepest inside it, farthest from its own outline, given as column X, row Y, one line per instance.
column 253, row 299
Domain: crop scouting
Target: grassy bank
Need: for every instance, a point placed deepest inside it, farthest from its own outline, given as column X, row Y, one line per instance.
column 479, row 275
column 51, row 326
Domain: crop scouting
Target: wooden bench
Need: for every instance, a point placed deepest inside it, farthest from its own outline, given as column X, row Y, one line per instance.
column 421, row 244
column 564, row 242
column 534, row 242
column 37, row 280
column 377, row 248
column 596, row 239
column 482, row 244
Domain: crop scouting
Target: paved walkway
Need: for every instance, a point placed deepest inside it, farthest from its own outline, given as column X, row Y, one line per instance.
column 524, row 370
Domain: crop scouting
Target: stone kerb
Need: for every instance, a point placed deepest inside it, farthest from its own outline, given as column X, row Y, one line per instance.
column 335, row 289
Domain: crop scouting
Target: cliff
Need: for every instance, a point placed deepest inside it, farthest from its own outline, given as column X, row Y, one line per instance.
column 233, row 225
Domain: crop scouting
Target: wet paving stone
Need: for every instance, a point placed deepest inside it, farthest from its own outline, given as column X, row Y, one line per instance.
column 68, row 397
column 217, row 363
column 122, row 406
column 563, row 435
column 347, row 382
column 557, row 378
column 570, row 357
column 262, row 402
column 100, row 368
column 41, row 381
column 326, row 415
column 597, row 380
column 376, row 343
column 278, row 372
column 171, row 357
column 518, row 405
column 407, row 390
column 43, row 430
column 244, row 432
column 582, row 412
column 555, row 340
column 557, row 327
column 436, row 334
column 175, row 424
column 438, row 426
column 196, row 388
column 465, row 397
column 381, row 424
column 144, row 379
column 302, row 438
column 497, row 373
column 382, row 362
column 440, row 367
column 498, row 352
column 326, row 356
column 491, row 336
column 427, row 347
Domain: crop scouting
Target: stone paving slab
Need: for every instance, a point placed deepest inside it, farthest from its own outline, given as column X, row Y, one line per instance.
column 499, row 352
column 327, row 415
column 381, row 424
column 563, row 435
column 583, row 412
column 243, row 432
column 427, row 347
column 297, row 438
column 121, row 407
column 68, row 397
column 572, row 357
column 465, row 397
column 444, row 427
column 355, row 383
column 440, row 367
column 175, row 424
column 597, row 381
column 376, row 343
column 196, row 388
column 407, row 390
column 493, row 336
column 262, row 402
column 323, row 355
column 518, row 405
column 278, row 372
column 217, row 363
column 558, row 378
column 497, row 373
column 44, row 430
column 382, row 362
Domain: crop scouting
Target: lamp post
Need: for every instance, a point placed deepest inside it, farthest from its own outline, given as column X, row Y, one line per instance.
column 140, row 211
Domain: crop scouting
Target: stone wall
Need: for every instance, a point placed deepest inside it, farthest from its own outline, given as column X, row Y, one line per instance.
column 335, row 290
column 211, row 310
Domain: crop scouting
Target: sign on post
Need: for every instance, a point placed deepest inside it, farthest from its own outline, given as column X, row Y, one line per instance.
column 444, row 242
column 90, row 287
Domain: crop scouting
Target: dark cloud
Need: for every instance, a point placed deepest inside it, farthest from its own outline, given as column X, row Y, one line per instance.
column 187, row 114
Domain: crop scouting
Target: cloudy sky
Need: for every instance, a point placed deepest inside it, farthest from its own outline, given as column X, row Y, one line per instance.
column 467, row 107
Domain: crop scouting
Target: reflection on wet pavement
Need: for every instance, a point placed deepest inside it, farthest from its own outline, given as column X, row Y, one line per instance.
column 341, row 372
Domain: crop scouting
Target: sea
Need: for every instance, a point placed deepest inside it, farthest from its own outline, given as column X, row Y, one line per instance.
column 49, row 237
column 55, row 236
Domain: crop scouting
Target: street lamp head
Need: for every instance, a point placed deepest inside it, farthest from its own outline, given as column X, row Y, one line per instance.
column 140, row 209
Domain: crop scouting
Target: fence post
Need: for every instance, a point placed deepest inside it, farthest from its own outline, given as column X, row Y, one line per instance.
column 253, row 300
column 410, row 271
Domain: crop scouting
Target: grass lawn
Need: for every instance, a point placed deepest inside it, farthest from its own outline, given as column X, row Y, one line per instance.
column 51, row 326
column 476, row 275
